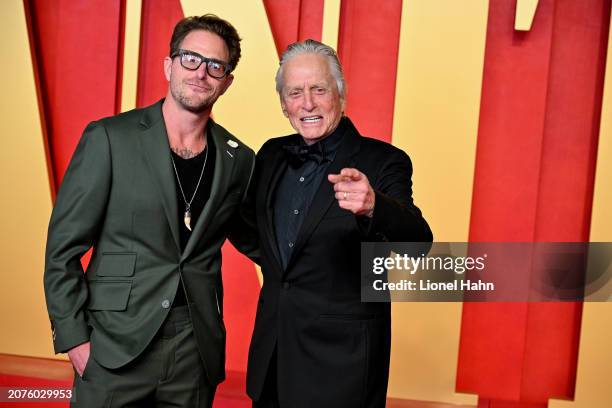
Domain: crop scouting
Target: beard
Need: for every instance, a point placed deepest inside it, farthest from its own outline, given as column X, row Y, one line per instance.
column 192, row 102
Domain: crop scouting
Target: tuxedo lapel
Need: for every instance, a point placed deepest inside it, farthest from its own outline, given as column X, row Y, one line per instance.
column 272, row 173
column 154, row 142
column 225, row 159
column 324, row 196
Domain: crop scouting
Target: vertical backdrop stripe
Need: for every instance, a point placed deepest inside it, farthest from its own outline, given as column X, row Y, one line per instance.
column 368, row 44
column 594, row 357
column 539, row 122
column 158, row 18
column 77, row 48
column 294, row 20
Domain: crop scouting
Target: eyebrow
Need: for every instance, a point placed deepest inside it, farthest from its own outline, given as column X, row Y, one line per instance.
column 300, row 87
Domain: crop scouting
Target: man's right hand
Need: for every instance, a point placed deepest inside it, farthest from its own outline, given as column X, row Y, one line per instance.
column 79, row 356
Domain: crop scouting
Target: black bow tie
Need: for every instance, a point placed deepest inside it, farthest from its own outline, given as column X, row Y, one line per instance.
column 297, row 155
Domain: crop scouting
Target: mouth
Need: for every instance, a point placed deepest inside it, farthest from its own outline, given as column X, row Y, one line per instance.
column 311, row 119
column 198, row 87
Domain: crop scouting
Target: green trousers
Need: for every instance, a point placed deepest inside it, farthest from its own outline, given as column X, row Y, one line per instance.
column 169, row 373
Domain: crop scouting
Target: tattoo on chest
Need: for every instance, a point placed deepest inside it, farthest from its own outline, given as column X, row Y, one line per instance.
column 185, row 152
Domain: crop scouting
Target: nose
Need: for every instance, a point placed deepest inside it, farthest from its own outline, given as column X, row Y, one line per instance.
column 309, row 103
column 201, row 71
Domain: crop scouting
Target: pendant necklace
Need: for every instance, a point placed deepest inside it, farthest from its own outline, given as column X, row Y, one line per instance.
column 187, row 216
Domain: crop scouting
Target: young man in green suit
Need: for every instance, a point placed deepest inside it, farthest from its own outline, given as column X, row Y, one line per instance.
column 155, row 192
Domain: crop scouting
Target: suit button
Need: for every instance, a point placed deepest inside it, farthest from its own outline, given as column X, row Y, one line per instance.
column 286, row 285
column 165, row 303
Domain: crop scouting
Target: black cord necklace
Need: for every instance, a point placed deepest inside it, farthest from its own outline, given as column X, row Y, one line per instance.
column 187, row 216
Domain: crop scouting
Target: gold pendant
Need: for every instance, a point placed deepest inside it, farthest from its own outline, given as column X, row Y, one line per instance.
column 187, row 219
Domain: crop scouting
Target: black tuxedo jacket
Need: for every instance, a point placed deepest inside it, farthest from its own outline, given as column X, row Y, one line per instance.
column 332, row 349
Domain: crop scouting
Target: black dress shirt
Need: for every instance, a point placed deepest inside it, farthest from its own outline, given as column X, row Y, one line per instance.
column 298, row 186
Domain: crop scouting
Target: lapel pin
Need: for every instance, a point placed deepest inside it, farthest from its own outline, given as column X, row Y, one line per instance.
column 232, row 143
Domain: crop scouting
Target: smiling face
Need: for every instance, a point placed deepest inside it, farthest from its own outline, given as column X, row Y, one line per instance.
column 196, row 91
column 310, row 97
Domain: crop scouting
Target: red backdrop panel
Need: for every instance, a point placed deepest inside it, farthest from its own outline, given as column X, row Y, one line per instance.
column 539, row 121
column 77, row 62
column 241, row 289
column 294, row 20
column 158, row 18
column 311, row 20
column 284, row 20
column 368, row 44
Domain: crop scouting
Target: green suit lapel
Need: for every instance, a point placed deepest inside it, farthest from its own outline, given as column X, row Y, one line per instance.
column 154, row 141
column 225, row 160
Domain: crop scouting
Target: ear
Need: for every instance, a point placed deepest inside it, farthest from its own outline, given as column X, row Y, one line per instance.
column 228, row 81
column 167, row 68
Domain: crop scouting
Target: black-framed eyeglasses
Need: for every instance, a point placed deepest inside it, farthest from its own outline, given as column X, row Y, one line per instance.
column 192, row 60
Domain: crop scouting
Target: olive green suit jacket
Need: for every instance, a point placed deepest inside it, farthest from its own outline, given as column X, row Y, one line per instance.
column 119, row 197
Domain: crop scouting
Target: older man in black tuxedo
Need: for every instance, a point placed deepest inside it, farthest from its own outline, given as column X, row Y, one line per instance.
column 319, row 194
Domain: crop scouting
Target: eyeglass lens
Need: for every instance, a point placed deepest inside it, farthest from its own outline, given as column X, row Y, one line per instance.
column 193, row 62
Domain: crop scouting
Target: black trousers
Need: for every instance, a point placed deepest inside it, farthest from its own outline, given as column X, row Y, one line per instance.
column 169, row 373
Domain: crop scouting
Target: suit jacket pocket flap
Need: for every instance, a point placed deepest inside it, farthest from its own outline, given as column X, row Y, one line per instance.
column 117, row 264
column 108, row 295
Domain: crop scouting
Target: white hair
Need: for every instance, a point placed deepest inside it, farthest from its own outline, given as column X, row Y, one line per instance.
column 313, row 47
